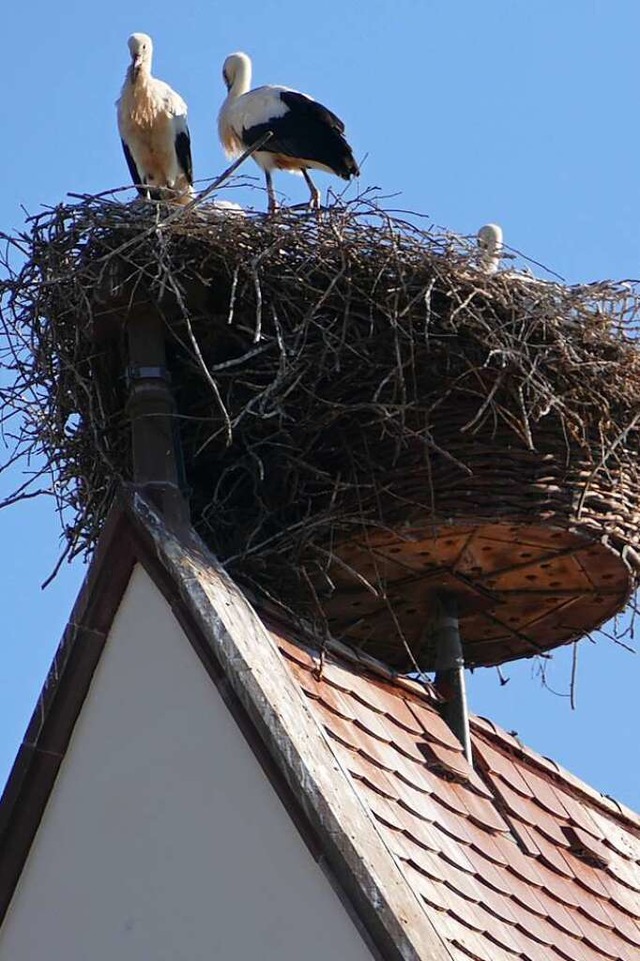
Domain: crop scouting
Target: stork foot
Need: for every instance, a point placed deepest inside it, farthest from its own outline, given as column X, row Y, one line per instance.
column 314, row 200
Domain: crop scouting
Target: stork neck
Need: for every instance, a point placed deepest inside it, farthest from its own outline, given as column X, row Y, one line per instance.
column 241, row 82
column 140, row 73
column 492, row 261
column 491, row 257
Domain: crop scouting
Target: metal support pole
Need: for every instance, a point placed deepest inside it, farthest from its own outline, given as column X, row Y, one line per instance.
column 449, row 679
column 155, row 449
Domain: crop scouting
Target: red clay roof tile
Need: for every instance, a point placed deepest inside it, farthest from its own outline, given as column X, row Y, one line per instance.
column 592, row 879
column 591, row 909
column 403, row 716
column 579, row 815
column 538, row 929
column 490, row 873
column 544, row 793
column 450, row 851
column 518, row 862
column 559, row 915
column 432, row 725
column 372, row 721
column 553, row 856
column 496, row 763
column 470, row 943
column 363, row 770
column 336, row 674
column 622, row 923
column 432, row 891
column 589, row 953
column 617, row 838
column 338, row 701
column 527, row 811
column 294, row 652
column 372, row 694
column 340, row 728
column 385, row 810
column 585, row 846
column 376, row 753
column 503, row 908
column 579, row 951
column 448, row 764
column 628, row 872
column 505, row 937
column 605, row 942
column 448, row 800
column 485, row 843
column 623, row 897
column 480, row 811
column 527, row 895
column 558, row 887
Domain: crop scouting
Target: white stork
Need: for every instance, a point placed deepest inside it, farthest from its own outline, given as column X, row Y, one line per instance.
column 304, row 133
column 490, row 243
column 152, row 121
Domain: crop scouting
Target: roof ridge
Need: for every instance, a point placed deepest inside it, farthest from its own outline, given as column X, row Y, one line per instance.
column 484, row 727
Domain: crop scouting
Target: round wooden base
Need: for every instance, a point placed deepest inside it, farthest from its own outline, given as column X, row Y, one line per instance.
column 522, row 589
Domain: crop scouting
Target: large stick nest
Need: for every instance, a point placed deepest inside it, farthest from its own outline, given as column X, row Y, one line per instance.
column 352, row 378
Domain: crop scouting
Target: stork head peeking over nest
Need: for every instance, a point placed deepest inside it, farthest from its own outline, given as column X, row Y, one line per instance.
column 490, row 244
column 304, row 134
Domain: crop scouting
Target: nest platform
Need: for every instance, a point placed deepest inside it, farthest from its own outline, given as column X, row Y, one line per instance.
column 367, row 419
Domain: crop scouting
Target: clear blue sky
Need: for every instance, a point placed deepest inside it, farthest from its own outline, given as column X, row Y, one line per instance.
column 510, row 111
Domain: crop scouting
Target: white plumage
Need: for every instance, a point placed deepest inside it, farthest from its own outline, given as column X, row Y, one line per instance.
column 490, row 244
column 152, row 121
column 227, row 207
column 305, row 134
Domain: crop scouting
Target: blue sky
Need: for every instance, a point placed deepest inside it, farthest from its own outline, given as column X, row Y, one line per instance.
column 508, row 111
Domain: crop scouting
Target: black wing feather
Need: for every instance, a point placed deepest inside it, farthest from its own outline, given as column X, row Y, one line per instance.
column 311, row 110
column 183, row 152
column 133, row 170
column 309, row 131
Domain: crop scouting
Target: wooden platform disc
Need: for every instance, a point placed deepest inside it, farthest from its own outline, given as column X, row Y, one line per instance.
column 522, row 589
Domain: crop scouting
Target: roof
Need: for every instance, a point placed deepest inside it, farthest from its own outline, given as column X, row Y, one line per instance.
column 515, row 859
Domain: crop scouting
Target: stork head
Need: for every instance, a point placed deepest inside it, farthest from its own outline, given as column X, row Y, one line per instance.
column 141, row 50
column 236, row 73
column 490, row 244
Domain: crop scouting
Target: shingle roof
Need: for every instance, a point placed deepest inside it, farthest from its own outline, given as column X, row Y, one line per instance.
column 516, row 859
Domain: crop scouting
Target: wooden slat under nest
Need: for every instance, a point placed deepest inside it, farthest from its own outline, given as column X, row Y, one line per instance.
column 366, row 417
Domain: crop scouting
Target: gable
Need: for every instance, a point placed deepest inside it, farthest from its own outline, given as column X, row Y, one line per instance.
column 162, row 836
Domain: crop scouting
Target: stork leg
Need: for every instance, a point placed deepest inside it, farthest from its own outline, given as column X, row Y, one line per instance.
column 314, row 203
column 273, row 203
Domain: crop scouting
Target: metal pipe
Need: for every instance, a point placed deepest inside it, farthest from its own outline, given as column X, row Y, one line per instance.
column 450, row 679
column 156, row 455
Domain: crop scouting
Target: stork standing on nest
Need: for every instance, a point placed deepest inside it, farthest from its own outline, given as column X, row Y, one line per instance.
column 152, row 122
column 304, row 133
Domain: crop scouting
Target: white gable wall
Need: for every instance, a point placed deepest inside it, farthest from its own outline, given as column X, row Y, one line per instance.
column 163, row 839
